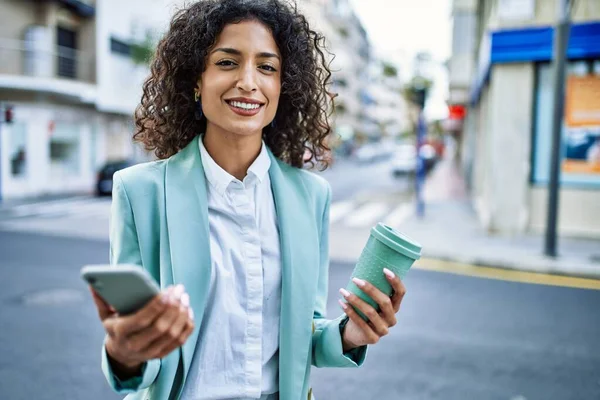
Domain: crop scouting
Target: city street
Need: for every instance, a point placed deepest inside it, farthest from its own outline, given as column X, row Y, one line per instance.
column 458, row 337
column 464, row 136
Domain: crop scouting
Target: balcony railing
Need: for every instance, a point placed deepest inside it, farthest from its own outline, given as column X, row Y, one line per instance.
column 19, row 57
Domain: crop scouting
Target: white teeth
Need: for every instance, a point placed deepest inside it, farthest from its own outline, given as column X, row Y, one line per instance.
column 245, row 106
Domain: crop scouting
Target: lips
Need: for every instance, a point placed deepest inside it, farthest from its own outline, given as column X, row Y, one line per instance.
column 244, row 106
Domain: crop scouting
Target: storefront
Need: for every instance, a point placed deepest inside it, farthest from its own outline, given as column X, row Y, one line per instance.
column 509, row 128
column 581, row 130
column 52, row 149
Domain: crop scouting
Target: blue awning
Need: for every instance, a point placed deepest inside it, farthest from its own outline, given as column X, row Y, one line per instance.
column 531, row 45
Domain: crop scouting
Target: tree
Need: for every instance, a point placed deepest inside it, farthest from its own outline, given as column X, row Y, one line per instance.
column 389, row 70
column 143, row 51
column 416, row 90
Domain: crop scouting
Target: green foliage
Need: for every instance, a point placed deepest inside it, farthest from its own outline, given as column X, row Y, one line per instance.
column 389, row 70
column 142, row 52
column 414, row 87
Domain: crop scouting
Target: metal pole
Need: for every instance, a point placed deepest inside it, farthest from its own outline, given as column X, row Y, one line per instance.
column 561, row 40
column 1, row 124
column 420, row 172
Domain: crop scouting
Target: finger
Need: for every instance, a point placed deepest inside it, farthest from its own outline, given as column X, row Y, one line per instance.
column 145, row 340
column 379, row 325
column 146, row 316
column 104, row 309
column 158, row 334
column 163, row 344
column 177, row 328
column 178, row 343
column 385, row 303
column 363, row 325
column 398, row 286
column 179, row 334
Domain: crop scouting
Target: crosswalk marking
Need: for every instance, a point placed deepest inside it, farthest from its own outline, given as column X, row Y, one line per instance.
column 342, row 213
column 82, row 206
column 399, row 215
column 28, row 210
column 21, row 208
column 93, row 209
column 366, row 215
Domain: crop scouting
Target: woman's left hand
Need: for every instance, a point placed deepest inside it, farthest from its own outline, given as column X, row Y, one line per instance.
column 359, row 332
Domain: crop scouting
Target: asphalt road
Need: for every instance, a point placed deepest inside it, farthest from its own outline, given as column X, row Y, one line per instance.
column 457, row 338
column 348, row 178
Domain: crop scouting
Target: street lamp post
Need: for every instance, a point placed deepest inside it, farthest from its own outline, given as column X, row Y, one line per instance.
column 561, row 40
column 419, row 97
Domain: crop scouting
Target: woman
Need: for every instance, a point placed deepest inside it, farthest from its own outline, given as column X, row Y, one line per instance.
column 227, row 221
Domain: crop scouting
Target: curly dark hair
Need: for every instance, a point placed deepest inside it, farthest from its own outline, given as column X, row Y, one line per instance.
column 165, row 121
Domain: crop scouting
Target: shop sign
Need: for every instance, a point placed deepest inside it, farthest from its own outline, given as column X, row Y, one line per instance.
column 582, row 120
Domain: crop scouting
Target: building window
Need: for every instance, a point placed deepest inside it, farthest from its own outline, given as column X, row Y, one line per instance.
column 67, row 52
column 580, row 163
column 119, row 47
column 17, row 149
column 65, row 150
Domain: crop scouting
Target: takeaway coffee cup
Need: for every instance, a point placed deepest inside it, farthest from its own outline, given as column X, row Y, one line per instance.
column 385, row 248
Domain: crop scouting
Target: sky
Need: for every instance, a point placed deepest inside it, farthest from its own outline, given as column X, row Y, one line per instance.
column 408, row 26
column 398, row 29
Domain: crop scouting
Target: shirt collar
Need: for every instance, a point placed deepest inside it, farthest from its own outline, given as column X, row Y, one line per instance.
column 220, row 179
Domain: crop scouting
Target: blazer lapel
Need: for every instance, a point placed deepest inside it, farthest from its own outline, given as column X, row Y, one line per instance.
column 300, row 266
column 187, row 223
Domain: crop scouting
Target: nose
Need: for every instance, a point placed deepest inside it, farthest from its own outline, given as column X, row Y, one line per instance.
column 247, row 79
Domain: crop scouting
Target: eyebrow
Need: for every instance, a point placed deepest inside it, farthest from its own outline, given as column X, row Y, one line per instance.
column 229, row 50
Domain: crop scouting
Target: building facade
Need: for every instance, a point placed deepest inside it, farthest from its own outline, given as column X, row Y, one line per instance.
column 67, row 73
column 347, row 41
column 508, row 127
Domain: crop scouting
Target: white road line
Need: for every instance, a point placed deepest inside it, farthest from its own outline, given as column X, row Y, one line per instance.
column 99, row 207
column 366, row 215
column 339, row 209
column 399, row 215
column 43, row 203
column 28, row 210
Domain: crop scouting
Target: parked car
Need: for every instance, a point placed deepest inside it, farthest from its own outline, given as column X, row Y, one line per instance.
column 373, row 152
column 104, row 181
column 404, row 160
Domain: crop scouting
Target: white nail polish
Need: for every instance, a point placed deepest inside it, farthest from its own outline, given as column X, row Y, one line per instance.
column 185, row 299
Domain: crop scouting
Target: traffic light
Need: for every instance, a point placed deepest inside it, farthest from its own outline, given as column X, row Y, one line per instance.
column 420, row 96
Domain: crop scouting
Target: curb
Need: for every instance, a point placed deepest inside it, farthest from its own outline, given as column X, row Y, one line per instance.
column 540, row 265
column 577, row 270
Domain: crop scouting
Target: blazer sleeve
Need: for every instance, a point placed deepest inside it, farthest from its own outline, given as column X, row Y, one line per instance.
column 327, row 348
column 124, row 249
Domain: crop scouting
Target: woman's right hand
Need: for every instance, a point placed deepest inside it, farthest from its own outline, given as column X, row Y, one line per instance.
column 161, row 326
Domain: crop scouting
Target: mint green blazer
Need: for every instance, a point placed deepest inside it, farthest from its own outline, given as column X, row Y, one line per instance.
column 159, row 220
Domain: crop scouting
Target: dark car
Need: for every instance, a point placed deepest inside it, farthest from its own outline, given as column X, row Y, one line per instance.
column 104, row 182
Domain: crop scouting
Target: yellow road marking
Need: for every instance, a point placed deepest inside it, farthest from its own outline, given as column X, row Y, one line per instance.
column 506, row 274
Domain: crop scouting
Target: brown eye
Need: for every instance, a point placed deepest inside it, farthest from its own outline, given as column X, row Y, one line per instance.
column 225, row 63
column 268, row 68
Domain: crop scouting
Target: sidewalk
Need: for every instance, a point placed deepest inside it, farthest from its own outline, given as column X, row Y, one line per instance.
column 450, row 231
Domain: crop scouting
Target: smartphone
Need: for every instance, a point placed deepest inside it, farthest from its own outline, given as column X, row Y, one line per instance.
column 127, row 288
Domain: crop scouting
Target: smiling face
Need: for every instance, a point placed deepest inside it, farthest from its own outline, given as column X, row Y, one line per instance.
column 241, row 84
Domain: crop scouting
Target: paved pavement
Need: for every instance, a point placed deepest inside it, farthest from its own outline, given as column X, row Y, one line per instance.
column 458, row 337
